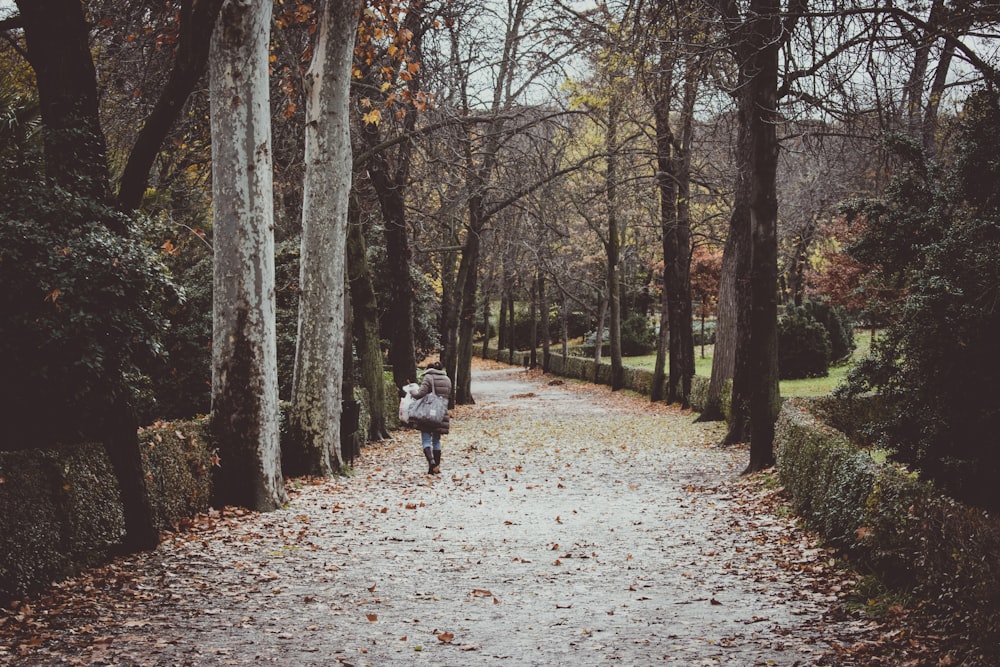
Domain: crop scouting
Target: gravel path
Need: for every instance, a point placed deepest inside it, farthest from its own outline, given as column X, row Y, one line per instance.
column 570, row 526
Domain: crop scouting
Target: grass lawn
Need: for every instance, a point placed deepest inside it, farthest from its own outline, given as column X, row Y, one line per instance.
column 805, row 387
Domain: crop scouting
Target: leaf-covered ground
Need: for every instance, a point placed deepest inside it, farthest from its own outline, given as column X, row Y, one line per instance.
column 569, row 526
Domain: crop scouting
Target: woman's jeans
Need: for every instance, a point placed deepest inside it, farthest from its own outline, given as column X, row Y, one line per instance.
column 432, row 440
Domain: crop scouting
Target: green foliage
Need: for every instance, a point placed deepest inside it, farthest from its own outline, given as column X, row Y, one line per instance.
column 182, row 384
column 803, row 346
column 178, row 224
column 638, row 336
column 935, row 239
column 838, row 327
column 83, row 313
column 706, row 337
column 577, row 325
column 177, row 459
column 426, row 316
column 889, row 521
column 59, row 512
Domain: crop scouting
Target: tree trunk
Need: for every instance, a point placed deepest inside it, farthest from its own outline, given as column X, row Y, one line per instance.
column 543, row 307
column 913, row 90
column 613, row 251
column 564, row 326
column 533, row 325
column 666, row 181
column 486, row 323
column 56, row 34
column 364, row 307
column 512, row 324
column 657, row 391
column 122, row 445
column 244, row 360
column 681, row 334
column 468, row 281
column 502, row 317
column 730, row 360
column 58, row 48
column 319, row 355
column 402, row 349
column 763, row 89
column 350, row 439
column 602, row 310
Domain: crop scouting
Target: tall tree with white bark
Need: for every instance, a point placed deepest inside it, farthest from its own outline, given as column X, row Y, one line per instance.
column 244, row 358
column 319, row 356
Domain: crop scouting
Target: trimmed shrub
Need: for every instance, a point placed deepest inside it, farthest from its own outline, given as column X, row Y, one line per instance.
column 59, row 512
column 893, row 523
column 838, row 327
column 638, row 336
column 803, row 346
column 177, row 459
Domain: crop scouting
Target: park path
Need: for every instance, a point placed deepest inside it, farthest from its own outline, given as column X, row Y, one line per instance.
column 570, row 526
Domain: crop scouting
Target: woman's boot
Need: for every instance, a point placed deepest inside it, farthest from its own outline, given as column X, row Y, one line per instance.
column 437, row 462
column 429, row 455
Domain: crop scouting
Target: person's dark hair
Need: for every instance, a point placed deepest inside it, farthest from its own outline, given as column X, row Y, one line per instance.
column 436, row 365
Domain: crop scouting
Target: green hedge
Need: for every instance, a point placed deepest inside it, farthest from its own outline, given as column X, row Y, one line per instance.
column 177, row 458
column 890, row 521
column 59, row 511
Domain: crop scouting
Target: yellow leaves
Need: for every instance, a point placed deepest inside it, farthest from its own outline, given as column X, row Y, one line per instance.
column 373, row 117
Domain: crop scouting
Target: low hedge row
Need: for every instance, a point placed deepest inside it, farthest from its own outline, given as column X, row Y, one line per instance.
column 60, row 509
column 888, row 520
column 177, row 459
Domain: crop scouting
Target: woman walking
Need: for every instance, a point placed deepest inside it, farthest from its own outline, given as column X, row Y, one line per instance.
column 437, row 381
